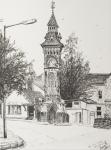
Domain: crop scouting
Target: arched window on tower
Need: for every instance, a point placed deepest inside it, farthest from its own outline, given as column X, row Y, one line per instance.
column 51, row 79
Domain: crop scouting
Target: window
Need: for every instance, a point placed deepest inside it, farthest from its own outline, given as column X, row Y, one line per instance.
column 0, row 109
column 100, row 94
column 76, row 103
column 9, row 109
column 98, row 111
column 18, row 109
column 55, row 83
column 68, row 104
column 80, row 117
column 14, row 109
column 51, row 79
column 45, row 73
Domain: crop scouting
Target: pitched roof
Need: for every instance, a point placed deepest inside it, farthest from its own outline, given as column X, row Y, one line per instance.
column 15, row 99
column 52, row 21
column 98, row 78
column 52, row 39
column 39, row 81
column 32, row 96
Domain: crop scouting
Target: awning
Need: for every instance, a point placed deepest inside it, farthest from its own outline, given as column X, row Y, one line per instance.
column 15, row 99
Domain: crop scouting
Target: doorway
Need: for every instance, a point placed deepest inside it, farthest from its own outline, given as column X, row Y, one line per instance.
column 52, row 113
column 31, row 111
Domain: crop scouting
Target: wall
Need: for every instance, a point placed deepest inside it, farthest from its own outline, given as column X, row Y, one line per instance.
column 73, row 115
column 95, row 96
column 108, row 89
column 22, row 115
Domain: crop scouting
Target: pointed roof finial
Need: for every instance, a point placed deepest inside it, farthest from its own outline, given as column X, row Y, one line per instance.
column 52, row 6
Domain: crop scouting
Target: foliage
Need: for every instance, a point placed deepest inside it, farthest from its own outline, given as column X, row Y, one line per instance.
column 33, row 96
column 107, row 111
column 74, row 70
column 13, row 68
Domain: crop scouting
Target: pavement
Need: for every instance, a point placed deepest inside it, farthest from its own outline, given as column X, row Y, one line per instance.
column 40, row 136
column 12, row 141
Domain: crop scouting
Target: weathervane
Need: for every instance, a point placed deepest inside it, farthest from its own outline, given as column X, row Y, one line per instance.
column 52, row 6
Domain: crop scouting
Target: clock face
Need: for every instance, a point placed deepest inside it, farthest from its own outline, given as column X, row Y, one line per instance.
column 52, row 62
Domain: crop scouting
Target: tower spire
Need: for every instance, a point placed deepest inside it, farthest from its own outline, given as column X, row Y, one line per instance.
column 52, row 6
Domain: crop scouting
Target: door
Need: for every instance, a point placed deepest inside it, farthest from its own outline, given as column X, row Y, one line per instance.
column 80, row 117
column 52, row 113
column 51, row 116
column 31, row 111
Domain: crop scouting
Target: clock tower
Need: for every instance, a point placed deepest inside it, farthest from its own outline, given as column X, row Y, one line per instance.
column 52, row 48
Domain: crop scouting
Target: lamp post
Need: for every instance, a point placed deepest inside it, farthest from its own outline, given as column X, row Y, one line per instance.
column 26, row 22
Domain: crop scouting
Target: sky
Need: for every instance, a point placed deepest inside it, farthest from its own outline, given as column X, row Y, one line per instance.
column 90, row 20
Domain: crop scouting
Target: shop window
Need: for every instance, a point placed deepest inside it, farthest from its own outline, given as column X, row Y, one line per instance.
column 100, row 94
column 14, row 109
column 9, row 109
column 18, row 109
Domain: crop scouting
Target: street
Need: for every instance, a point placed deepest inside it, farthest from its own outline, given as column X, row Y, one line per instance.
column 50, row 137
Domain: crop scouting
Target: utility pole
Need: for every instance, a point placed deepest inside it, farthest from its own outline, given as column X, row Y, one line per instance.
column 27, row 22
column 4, row 98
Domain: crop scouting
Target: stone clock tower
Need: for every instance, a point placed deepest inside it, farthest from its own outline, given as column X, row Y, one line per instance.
column 52, row 48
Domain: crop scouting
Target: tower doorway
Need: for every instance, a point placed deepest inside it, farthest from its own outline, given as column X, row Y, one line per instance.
column 52, row 113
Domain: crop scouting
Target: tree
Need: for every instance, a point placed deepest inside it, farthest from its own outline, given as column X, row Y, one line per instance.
column 34, row 97
column 13, row 70
column 74, row 83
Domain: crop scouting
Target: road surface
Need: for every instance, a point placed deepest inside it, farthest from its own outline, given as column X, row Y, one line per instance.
column 50, row 137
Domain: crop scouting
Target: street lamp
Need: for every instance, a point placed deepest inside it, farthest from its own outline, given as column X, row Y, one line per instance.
column 26, row 22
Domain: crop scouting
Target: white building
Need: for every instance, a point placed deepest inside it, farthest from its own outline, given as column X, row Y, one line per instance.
column 16, row 106
column 86, row 111
column 23, row 106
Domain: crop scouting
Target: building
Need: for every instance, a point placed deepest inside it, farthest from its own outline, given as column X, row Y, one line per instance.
column 97, row 106
column 24, row 106
column 16, row 106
